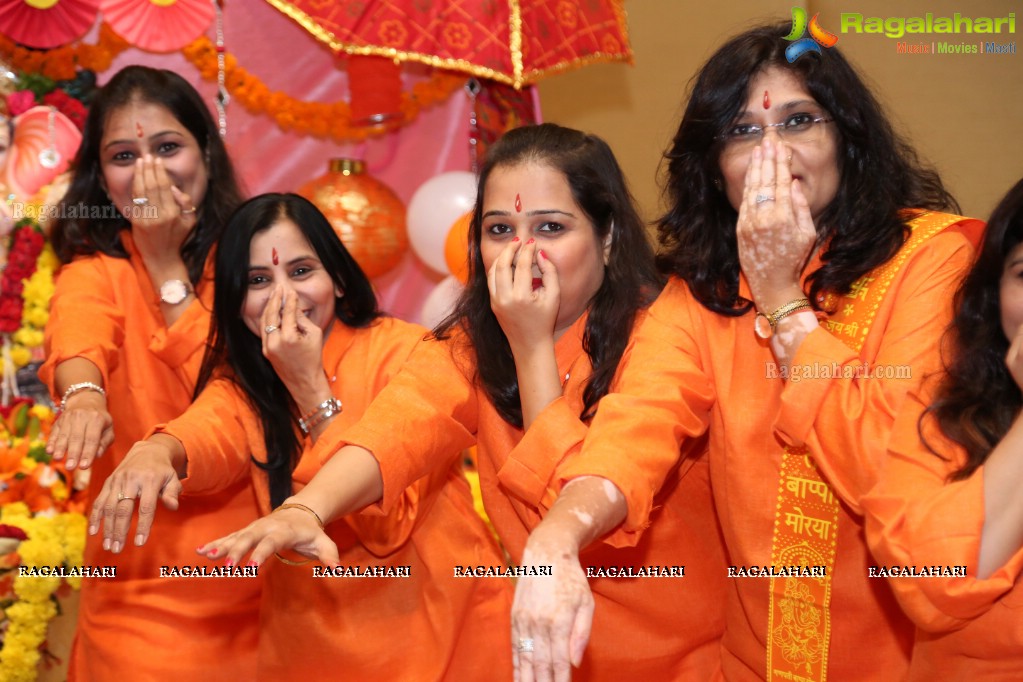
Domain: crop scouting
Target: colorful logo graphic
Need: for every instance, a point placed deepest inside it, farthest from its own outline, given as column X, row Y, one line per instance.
column 818, row 36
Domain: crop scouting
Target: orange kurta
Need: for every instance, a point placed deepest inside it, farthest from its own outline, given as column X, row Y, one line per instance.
column 967, row 629
column 644, row 628
column 429, row 626
column 690, row 372
column 105, row 310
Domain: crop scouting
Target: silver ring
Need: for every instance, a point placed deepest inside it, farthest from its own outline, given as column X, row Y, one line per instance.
column 761, row 198
column 270, row 328
column 140, row 201
column 187, row 211
column 525, row 644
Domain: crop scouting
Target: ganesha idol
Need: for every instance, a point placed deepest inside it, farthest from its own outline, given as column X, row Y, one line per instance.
column 36, row 150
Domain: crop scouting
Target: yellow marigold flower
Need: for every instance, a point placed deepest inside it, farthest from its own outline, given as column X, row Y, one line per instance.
column 41, row 412
column 14, row 513
column 36, row 316
column 20, row 356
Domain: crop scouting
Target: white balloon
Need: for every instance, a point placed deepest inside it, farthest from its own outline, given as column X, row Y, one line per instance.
column 434, row 207
column 440, row 302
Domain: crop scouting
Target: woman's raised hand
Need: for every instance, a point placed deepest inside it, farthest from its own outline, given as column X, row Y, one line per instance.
column 775, row 230
column 292, row 343
column 164, row 220
column 527, row 314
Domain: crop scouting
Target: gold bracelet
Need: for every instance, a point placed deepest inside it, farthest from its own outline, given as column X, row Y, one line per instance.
column 298, row 505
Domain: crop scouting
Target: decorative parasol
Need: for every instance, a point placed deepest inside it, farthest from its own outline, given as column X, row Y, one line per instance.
column 510, row 41
column 46, row 23
column 158, row 25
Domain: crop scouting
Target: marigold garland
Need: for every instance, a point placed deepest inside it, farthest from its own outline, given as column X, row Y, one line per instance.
column 314, row 118
column 36, row 295
column 62, row 63
column 52, row 541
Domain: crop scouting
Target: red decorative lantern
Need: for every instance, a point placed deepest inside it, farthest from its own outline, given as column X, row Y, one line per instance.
column 366, row 214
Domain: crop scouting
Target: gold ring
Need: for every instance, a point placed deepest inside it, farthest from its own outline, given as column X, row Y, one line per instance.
column 187, row 211
column 121, row 496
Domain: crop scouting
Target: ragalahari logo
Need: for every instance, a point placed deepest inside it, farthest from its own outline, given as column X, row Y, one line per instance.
column 818, row 36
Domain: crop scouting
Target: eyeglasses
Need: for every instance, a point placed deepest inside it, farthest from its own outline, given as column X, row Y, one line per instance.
column 797, row 128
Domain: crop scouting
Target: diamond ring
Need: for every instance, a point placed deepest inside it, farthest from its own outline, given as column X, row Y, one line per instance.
column 525, row 644
column 761, row 198
column 140, row 201
column 270, row 328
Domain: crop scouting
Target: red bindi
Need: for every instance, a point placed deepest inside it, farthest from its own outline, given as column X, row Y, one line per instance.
column 518, row 204
column 138, row 129
column 275, row 259
column 767, row 100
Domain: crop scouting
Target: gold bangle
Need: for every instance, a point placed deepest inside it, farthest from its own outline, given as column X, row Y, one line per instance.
column 788, row 309
column 299, row 505
column 289, row 562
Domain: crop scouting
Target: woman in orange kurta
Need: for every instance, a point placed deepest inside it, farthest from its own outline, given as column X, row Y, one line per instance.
column 948, row 496
column 310, row 341
column 560, row 268
column 803, row 299
column 124, row 342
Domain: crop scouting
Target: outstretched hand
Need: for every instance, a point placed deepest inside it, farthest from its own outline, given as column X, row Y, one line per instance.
column 147, row 474
column 282, row 530
column 83, row 431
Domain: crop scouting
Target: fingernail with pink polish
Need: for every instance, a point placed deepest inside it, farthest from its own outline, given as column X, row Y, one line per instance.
column 543, row 255
column 531, row 240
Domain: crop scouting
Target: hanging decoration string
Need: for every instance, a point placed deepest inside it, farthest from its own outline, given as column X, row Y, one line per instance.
column 318, row 119
column 223, row 98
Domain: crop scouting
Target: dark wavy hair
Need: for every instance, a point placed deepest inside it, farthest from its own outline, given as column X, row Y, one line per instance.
column 234, row 352
column 84, row 236
column 977, row 399
column 630, row 278
column 863, row 226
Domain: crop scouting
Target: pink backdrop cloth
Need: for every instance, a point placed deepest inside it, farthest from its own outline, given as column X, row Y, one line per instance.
column 287, row 58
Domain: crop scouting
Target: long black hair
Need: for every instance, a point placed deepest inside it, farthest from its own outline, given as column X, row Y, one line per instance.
column 863, row 226
column 233, row 351
column 87, row 235
column 977, row 399
column 630, row 278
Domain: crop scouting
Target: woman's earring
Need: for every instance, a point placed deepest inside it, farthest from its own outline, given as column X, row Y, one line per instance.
column 717, row 183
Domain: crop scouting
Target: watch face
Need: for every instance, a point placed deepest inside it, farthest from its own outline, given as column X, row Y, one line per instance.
column 762, row 326
column 173, row 291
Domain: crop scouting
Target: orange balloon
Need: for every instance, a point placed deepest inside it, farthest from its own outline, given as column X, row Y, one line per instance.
column 456, row 248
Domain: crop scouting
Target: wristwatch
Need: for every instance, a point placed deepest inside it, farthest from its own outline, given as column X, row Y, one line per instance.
column 174, row 291
column 764, row 325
